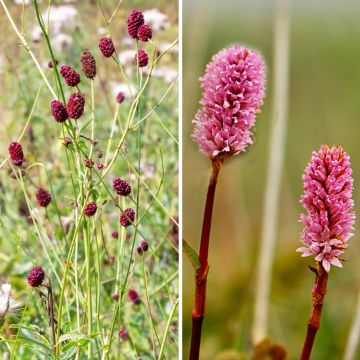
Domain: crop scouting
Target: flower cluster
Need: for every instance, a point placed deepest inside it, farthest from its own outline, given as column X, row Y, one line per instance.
column 328, row 225
column 106, row 47
column 127, row 217
column 71, row 77
column 16, row 153
column 233, row 87
column 75, row 105
column 36, row 276
column 58, row 111
column 121, row 187
column 90, row 209
column 134, row 296
column 43, row 197
column 88, row 64
column 141, row 58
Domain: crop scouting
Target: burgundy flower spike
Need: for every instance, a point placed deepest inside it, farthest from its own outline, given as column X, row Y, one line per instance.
column 43, row 197
column 16, row 153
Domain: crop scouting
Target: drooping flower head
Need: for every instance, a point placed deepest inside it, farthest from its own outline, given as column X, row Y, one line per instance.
column 16, row 153
column 71, row 77
column 233, row 91
column 43, row 197
column 88, row 64
column 329, row 221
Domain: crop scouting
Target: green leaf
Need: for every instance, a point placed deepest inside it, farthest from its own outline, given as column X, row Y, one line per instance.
column 192, row 255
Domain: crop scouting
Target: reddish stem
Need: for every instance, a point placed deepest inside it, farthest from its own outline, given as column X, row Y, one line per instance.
column 318, row 294
column 201, row 275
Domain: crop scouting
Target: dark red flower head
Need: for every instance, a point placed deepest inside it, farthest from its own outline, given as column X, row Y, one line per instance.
column 88, row 64
column 121, row 187
column 99, row 166
column 134, row 296
column 143, row 58
column 59, row 111
column 115, row 297
column 144, row 33
column 106, row 46
column 89, row 163
column 43, row 197
column 127, row 217
column 144, row 246
column 90, row 209
column 36, row 276
column 71, row 77
column 75, row 105
column 123, row 334
column 16, row 153
column 120, row 97
column 115, row 234
column 50, row 64
column 135, row 20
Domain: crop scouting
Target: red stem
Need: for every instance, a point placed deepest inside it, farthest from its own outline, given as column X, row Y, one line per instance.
column 318, row 294
column 201, row 275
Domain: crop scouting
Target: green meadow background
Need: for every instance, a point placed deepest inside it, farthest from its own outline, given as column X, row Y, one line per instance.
column 324, row 107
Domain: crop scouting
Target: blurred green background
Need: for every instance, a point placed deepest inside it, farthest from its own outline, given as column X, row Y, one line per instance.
column 324, row 107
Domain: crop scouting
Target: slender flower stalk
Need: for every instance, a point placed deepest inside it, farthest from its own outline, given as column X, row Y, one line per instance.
column 328, row 224
column 233, row 87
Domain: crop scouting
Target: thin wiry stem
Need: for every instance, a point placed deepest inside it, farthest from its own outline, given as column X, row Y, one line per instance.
column 274, row 172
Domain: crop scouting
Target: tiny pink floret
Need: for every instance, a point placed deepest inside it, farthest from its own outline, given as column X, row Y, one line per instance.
column 233, row 91
column 330, row 218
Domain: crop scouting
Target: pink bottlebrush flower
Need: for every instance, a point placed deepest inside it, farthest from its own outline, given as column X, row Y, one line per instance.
column 328, row 225
column 142, row 57
column 127, row 217
column 120, row 97
column 115, row 297
column 16, row 153
column 233, row 91
column 75, row 105
column 88, row 64
column 89, row 163
column 90, row 209
column 123, row 334
column 135, row 20
column 115, row 234
column 71, row 77
column 58, row 111
column 43, row 197
column 36, row 276
column 106, row 46
column 134, row 297
column 121, row 187
column 144, row 33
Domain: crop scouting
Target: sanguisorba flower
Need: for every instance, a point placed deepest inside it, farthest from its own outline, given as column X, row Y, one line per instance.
column 233, row 91
column 16, row 153
column 135, row 20
column 106, row 47
column 142, row 58
column 127, row 217
column 121, row 186
column 330, row 218
column 144, row 33
column 71, row 77
column 75, row 105
column 88, row 64
column 58, row 111
column 90, row 209
column 36, row 276
column 43, row 197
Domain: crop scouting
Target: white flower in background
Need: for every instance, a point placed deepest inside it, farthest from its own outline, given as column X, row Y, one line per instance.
column 127, row 41
column 164, row 46
column 8, row 305
column 117, row 87
column 148, row 170
column 156, row 19
column 61, row 41
column 101, row 31
column 20, row 2
column 127, row 57
column 167, row 73
column 36, row 33
column 61, row 18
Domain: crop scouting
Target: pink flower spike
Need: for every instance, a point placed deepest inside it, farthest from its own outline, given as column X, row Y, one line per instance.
column 330, row 218
column 233, row 91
